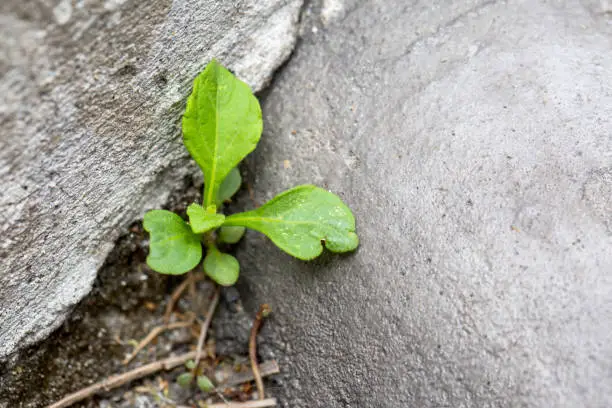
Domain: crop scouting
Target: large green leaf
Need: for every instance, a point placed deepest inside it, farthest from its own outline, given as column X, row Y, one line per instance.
column 202, row 220
column 298, row 220
column 221, row 125
column 173, row 248
column 229, row 187
column 220, row 267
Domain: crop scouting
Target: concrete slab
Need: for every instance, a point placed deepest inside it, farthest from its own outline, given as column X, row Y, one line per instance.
column 473, row 139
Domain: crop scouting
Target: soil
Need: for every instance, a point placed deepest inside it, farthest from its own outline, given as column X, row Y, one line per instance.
column 126, row 302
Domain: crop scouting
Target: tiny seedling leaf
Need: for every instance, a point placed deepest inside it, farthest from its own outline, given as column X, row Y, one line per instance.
column 174, row 248
column 230, row 186
column 220, row 267
column 184, row 380
column 230, row 235
column 298, row 220
column 190, row 364
column 221, row 125
column 205, row 384
column 202, row 220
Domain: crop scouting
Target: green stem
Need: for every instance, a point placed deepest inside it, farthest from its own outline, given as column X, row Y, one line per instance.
column 208, row 239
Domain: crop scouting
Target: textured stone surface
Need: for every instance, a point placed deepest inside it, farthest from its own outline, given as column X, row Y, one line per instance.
column 473, row 140
column 91, row 94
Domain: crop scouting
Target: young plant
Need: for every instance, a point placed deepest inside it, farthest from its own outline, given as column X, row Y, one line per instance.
column 186, row 379
column 222, row 124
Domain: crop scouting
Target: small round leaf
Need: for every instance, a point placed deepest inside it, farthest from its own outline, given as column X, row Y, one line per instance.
column 184, row 380
column 205, row 384
column 231, row 235
column 190, row 364
column 220, row 267
column 173, row 248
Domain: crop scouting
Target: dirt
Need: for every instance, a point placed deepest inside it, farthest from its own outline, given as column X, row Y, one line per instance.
column 126, row 302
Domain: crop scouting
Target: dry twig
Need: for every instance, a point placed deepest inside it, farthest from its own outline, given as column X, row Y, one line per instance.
column 204, row 329
column 264, row 310
column 153, row 334
column 120, row 379
column 265, row 369
column 178, row 292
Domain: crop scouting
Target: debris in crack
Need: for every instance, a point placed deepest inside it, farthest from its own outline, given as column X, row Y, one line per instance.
column 127, row 303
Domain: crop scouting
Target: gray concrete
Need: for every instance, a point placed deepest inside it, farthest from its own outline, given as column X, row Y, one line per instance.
column 473, row 139
column 91, row 93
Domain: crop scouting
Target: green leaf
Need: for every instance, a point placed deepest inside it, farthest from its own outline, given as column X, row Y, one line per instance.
column 220, row 267
column 221, row 125
column 202, row 220
column 184, row 380
column 205, row 384
column 190, row 364
column 173, row 248
column 230, row 186
column 298, row 220
column 230, row 235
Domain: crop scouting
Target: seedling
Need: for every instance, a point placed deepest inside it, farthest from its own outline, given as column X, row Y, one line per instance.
column 186, row 379
column 222, row 124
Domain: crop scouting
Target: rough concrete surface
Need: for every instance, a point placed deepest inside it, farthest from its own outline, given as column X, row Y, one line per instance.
column 91, row 94
column 473, row 139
